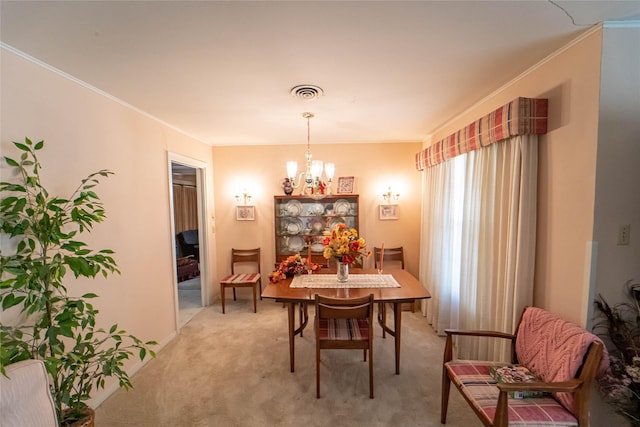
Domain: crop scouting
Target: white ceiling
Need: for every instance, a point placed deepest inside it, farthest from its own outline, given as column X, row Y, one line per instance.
column 392, row 71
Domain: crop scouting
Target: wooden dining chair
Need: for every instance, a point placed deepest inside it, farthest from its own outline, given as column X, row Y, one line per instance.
column 391, row 258
column 344, row 323
column 241, row 259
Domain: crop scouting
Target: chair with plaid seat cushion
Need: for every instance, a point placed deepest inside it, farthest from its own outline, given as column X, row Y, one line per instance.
column 240, row 277
column 344, row 323
column 565, row 357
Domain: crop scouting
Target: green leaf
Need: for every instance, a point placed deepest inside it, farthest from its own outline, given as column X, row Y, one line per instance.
column 11, row 162
column 90, row 295
column 10, row 300
column 21, row 146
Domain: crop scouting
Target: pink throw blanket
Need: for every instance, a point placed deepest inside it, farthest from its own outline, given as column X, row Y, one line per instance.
column 553, row 348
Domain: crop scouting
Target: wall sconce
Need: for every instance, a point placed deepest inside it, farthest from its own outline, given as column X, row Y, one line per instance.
column 244, row 198
column 390, row 195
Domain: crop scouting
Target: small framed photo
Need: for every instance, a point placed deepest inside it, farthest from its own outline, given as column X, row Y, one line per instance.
column 245, row 213
column 345, row 185
column 388, row 212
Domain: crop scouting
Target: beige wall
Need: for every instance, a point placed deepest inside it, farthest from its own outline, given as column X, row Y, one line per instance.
column 567, row 161
column 85, row 131
column 261, row 169
column 617, row 194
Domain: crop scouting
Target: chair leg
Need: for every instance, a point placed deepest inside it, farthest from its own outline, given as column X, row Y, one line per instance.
column 222, row 296
column 382, row 309
column 446, row 387
column 255, row 309
column 317, row 371
column 260, row 285
column 234, row 293
column 370, row 373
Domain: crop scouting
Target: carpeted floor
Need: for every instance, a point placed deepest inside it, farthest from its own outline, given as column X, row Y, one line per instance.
column 233, row 370
column 189, row 299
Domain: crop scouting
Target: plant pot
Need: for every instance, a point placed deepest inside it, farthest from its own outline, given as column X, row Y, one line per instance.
column 87, row 419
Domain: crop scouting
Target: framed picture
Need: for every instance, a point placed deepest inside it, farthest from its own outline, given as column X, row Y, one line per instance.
column 345, row 185
column 245, row 213
column 388, row 212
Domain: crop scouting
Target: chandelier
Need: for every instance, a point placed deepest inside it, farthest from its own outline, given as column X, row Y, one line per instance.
column 312, row 176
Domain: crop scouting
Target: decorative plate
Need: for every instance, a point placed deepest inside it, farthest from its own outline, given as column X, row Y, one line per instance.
column 341, row 207
column 337, row 220
column 293, row 207
column 316, row 225
column 316, row 209
column 294, row 226
column 296, row 243
column 317, row 247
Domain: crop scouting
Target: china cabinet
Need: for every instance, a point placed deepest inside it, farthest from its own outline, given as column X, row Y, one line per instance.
column 301, row 221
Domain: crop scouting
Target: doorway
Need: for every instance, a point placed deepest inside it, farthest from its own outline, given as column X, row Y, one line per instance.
column 187, row 202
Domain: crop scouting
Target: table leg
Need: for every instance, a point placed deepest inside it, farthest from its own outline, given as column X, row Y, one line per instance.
column 291, row 308
column 397, row 320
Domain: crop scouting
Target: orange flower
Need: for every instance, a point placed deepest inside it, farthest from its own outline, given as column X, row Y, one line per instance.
column 344, row 244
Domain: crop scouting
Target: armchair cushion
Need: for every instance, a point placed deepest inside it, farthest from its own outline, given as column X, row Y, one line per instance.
column 190, row 237
column 25, row 399
column 188, row 243
column 475, row 382
column 553, row 348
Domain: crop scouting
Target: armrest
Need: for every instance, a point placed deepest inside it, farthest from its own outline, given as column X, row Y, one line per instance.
column 448, row 348
column 495, row 334
column 502, row 408
column 556, row 387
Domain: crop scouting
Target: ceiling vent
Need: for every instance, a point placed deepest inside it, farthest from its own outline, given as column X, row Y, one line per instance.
column 307, row 92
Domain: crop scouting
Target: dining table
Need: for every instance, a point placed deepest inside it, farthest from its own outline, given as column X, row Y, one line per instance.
column 395, row 287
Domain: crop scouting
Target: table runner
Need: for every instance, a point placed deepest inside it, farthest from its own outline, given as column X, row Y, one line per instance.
column 355, row 281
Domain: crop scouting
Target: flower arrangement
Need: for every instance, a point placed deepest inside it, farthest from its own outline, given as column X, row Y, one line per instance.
column 291, row 266
column 621, row 330
column 344, row 244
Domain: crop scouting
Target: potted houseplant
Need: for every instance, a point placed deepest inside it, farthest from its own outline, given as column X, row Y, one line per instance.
column 619, row 326
column 50, row 324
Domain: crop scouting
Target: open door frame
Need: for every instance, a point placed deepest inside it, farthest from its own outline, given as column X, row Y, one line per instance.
column 201, row 169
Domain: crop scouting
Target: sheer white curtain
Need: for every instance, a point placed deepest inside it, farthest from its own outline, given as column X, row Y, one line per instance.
column 478, row 241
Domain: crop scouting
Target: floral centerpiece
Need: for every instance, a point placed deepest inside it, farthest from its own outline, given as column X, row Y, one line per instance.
column 291, row 266
column 344, row 244
column 620, row 328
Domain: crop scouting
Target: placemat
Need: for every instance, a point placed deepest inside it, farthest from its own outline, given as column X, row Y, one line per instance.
column 355, row 281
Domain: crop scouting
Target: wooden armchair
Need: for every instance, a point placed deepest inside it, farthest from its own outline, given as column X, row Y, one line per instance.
column 564, row 356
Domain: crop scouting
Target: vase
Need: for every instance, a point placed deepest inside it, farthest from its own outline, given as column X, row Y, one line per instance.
column 343, row 272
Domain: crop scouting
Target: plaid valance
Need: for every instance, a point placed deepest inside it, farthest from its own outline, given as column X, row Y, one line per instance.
column 521, row 116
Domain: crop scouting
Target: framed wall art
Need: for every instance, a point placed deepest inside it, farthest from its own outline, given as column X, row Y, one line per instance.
column 388, row 212
column 345, row 185
column 245, row 213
